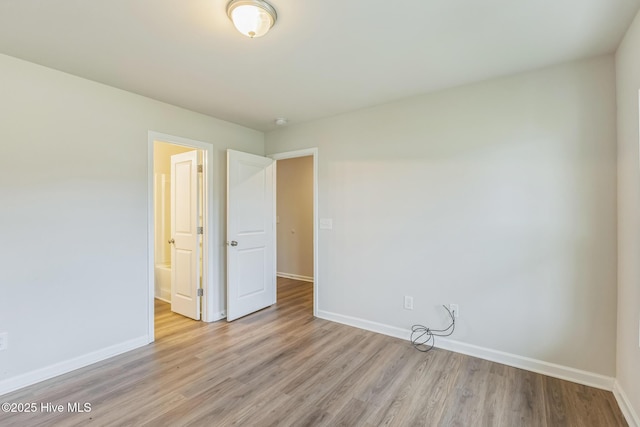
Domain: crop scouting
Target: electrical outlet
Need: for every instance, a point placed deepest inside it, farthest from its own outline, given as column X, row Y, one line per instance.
column 408, row 303
column 4, row 341
column 454, row 309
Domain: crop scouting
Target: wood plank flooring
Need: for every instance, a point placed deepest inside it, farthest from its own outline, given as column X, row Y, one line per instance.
column 283, row 367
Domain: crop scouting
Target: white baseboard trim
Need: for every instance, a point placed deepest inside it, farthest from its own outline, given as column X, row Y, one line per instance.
column 219, row 315
column 164, row 295
column 295, row 277
column 534, row 365
column 551, row 369
column 368, row 325
column 625, row 406
column 164, row 300
column 30, row 378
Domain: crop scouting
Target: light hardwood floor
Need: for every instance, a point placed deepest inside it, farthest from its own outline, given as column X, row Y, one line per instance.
column 281, row 366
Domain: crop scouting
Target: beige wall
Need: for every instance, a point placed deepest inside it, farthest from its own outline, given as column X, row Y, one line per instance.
column 295, row 215
column 498, row 196
column 628, row 83
column 162, row 156
column 73, row 188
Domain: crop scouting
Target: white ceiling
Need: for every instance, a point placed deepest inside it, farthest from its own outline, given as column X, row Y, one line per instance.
column 323, row 57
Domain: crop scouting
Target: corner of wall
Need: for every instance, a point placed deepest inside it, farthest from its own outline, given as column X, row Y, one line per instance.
column 625, row 405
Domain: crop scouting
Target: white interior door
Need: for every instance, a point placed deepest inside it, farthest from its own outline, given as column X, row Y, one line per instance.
column 251, row 267
column 185, row 257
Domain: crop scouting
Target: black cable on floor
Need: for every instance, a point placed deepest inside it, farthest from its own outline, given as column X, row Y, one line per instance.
column 423, row 338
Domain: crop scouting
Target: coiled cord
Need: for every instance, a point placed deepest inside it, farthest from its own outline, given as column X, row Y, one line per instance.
column 424, row 339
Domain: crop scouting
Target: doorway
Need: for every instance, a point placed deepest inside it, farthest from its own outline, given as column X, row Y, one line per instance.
column 179, row 236
column 294, row 223
column 178, row 201
column 297, row 221
column 164, row 157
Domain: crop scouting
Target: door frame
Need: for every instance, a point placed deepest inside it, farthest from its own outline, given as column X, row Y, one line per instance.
column 291, row 155
column 209, row 251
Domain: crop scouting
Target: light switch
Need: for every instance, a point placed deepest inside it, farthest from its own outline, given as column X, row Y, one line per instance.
column 326, row 223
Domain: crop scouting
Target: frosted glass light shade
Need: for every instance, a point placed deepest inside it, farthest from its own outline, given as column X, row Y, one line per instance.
column 253, row 18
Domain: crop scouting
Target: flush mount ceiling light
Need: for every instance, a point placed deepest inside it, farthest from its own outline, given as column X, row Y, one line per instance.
column 253, row 18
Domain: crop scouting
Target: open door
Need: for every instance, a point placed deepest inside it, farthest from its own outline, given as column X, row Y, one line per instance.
column 251, row 267
column 185, row 256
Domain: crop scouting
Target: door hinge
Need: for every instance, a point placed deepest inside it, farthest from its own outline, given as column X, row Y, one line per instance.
column 200, row 230
column 200, row 292
column 200, row 168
